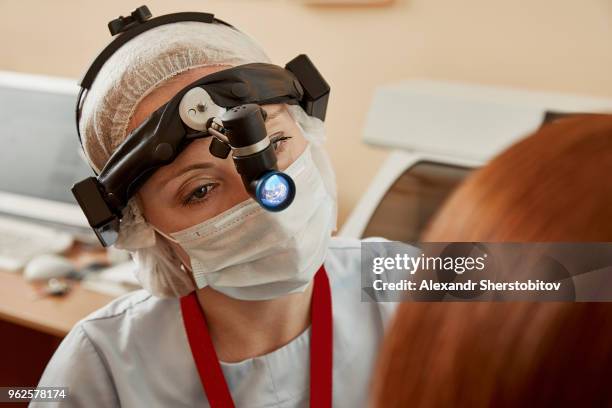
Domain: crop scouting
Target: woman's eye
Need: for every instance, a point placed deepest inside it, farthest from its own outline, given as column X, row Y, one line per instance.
column 199, row 194
column 278, row 142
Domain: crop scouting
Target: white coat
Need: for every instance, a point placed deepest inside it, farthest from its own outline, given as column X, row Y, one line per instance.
column 134, row 352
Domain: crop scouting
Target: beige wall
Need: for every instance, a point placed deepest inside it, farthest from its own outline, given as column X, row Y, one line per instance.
column 562, row 45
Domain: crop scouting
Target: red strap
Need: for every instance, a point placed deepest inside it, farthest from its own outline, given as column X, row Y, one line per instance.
column 321, row 343
column 321, row 348
column 204, row 353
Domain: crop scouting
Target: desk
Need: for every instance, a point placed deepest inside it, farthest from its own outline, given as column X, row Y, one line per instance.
column 50, row 315
column 31, row 328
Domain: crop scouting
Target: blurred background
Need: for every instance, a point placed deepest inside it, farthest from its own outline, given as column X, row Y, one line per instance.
column 422, row 93
column 553, row 45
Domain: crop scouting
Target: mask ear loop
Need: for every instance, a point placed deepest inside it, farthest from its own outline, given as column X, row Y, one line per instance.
column 163, row 234
column 170, row 238
column 186, row 269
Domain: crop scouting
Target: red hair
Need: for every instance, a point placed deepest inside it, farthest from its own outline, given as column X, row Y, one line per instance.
column 555, row 185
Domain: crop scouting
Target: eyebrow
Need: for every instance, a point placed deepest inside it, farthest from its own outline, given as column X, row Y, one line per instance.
column 274, row 114
column 183, row 170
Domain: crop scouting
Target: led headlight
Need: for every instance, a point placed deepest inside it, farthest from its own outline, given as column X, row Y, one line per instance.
column 275, row 191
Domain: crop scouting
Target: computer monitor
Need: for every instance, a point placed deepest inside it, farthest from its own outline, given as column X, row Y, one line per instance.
column 40, row 157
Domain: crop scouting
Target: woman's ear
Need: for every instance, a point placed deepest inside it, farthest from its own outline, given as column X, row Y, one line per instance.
column 138, row 199
column 189, row 272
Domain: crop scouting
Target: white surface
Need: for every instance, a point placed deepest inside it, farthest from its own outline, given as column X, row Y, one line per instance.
column 45, row 267
column 462, row 120
column 21, row 241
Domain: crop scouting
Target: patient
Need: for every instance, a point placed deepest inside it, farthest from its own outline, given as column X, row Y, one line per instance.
column 555, row 185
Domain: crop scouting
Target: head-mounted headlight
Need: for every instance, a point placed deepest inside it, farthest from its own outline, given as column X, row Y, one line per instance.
column 223, row 105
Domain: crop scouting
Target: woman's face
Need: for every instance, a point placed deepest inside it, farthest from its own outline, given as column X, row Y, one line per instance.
column 197, row 186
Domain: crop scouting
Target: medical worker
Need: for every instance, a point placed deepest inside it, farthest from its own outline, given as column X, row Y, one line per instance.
column 241, row 306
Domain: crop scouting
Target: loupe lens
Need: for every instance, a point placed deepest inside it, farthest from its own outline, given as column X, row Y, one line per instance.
column 275, row 191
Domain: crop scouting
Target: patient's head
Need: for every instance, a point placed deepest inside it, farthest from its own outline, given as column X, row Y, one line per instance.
column 497, row 355
column 555, row 185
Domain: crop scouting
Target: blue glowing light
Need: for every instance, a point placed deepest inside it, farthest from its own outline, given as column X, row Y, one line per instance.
column 275, row 191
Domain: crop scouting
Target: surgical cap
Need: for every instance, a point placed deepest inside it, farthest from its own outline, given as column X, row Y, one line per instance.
column 130, row 74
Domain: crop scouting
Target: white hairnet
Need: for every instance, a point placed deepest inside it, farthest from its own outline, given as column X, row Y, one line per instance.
column 126, row 78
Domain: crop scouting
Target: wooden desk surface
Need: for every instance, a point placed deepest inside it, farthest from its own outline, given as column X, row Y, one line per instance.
column 19, row 303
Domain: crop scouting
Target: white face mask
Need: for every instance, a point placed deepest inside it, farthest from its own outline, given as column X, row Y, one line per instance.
column 249, row 253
